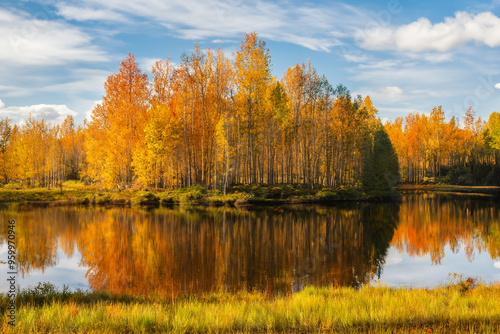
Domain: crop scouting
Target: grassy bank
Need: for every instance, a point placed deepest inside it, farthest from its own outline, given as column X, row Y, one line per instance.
column 458, row 308
column 76, row 193
column 73, row 192
column 447, row 188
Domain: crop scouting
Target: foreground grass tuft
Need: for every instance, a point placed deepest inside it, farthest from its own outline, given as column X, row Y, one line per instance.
column 448, row 309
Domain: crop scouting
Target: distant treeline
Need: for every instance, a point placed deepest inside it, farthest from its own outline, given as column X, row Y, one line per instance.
column 465, row 152
column 215, row 122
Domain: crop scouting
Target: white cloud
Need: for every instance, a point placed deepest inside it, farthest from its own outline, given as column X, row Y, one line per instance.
column 497, row 86
column 380, row 64
column 376, row 38
column 387, row 96
column 146, row 64
column 52, row 113
column 76, row 84
column 88, row 114
column 434, row 57
column 392, row 258
column 422, row 85
column 8, row 90
column 356, row 58
column 406, row 74
column 84, row 80
column 2, row 104
column 496, row 264
column 310, row 26
column 88, row 14
column 422, row 35
column 391, row 90
column 223, row 41
column 402, row 111
column 26, row 40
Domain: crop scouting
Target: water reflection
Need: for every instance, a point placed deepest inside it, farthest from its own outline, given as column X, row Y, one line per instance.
column 188, row 251
column 430, row 222
column 179, row 251
column 182, row 251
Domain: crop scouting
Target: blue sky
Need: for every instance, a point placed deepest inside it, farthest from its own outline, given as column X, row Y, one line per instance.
column 408, row 55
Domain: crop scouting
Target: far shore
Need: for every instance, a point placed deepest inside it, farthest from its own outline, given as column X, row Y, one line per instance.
column 450, row 188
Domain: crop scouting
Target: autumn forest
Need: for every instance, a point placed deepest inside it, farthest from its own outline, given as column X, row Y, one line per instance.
column 216, row 121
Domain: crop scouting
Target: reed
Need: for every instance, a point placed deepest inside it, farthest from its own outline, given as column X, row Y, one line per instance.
column 457, row 307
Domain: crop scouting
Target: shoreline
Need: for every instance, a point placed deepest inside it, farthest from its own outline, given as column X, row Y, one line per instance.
column 240, row 196
column 494, row 190
column 75, row 193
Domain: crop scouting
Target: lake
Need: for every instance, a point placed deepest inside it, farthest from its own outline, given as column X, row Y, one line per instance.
column 184, row 250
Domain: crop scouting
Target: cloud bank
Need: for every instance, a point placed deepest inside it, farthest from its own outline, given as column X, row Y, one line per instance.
column 52, row 113
column 29, row 40
column 422, row 35
column 313, row 26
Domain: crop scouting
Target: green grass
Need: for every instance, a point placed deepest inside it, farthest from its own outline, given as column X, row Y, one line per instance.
column 75, row 192
column 447, row 188
column 456, row 308
column 55, row 197
column 468, row 189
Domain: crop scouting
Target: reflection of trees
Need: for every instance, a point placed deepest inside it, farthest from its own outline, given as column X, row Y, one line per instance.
column 171, row 252
column 429, row 222
column 38, row 232
column 186, row 251
column 380, row 220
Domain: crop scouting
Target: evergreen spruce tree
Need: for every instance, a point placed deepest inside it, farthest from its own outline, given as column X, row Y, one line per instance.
column 381, row 167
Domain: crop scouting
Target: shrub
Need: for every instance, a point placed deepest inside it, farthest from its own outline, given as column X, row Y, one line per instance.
column 460, row 175
column 460, row 283
column 275, row 192
column 348, row 193
column 493, row 177
column 326, row 194
column 13, row 185
column 190, row 194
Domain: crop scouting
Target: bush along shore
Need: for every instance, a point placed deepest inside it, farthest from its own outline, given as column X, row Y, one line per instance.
column 461, row 307
column 76, row 193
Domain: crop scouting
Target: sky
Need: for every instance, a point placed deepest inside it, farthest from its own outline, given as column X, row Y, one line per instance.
column 407, row 55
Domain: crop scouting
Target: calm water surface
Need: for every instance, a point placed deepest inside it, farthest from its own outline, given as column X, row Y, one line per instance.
column 184, row 250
